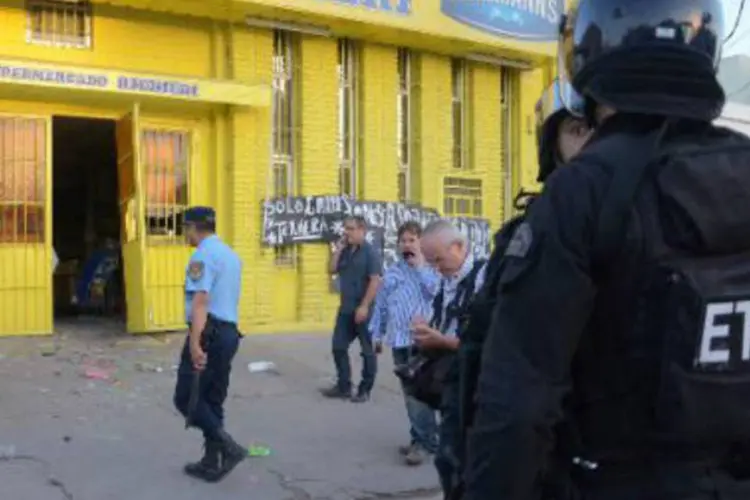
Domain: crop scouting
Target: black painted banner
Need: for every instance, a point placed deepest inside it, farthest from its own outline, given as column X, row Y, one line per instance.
column 309, row 219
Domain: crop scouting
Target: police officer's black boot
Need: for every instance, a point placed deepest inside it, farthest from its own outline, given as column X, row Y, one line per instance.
column 230, row 455
column 209, row 462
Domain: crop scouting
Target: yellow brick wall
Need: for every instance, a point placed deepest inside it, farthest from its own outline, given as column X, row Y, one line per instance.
column 319, row 169
column 434, row 123
column 530, row 88
column 123, row 39
column 485, row 133
column 379, row 149
column 298, row 298
column 249, row 160
column 235, row 143
column 487, row 146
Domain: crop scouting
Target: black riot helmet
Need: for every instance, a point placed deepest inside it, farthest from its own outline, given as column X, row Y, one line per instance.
column 550, row 112
column 656, row 57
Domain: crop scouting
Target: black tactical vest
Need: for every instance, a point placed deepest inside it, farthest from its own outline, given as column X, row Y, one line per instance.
column 665, row 362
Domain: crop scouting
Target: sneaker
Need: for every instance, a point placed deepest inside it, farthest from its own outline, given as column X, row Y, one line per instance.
column 405, row 449
column 416, row 456
column 361, row 397
column 335, row 392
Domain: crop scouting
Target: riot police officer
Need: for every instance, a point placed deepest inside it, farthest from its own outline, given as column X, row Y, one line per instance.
column 561, row 135
column 212, row 291
column 624, row 296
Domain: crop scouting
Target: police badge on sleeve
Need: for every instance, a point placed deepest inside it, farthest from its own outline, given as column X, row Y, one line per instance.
column 520, row 243
column 195, row 270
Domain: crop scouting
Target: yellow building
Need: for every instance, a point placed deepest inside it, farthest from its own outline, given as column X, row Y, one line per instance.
column 115, row 115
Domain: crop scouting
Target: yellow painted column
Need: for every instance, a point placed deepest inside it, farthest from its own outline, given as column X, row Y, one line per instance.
column 379, row 157
column 250, row 150
column 487, row 145
column 318, row 169
column 219, row 164
column 433, row 116
column 530, row 88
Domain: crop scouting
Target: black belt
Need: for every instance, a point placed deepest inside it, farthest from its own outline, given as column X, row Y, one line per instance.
column 221, row 322
column 217, row 321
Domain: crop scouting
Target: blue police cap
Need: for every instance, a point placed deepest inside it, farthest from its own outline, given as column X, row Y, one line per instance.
column 200, row 215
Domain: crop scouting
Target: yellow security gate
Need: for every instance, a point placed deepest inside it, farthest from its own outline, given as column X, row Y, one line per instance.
column 153, row 167
column 25, row 226
column 166, row 156
column 133, row 237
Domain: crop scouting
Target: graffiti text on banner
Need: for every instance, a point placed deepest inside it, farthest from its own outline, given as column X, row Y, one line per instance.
column 310, row 219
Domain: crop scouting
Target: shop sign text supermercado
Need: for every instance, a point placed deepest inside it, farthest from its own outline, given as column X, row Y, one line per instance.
column 97, row 80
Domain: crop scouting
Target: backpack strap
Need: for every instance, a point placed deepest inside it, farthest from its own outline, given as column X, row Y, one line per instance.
column 631, row 162
column 437, row 308
column 464, row 292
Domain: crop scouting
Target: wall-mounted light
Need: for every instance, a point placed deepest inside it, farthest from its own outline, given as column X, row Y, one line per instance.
column 305, row 29
column 499, row 61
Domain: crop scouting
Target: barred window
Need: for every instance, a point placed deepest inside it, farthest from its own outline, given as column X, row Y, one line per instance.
column 404, row 117
column 348, row 117
column 166, row 165
column 62, row 23
column 23, row 161
column 459, row 113
column 462, row 197
column 284, row 125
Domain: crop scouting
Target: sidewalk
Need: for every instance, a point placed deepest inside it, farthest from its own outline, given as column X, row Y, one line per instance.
column 90, row 418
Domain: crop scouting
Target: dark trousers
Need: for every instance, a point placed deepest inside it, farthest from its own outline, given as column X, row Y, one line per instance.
column 661, row 480
column 214, row 382
column 446, row 458
column 344, row 333
column 422, row 418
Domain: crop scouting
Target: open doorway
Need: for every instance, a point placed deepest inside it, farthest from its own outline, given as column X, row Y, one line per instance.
column 88, row 279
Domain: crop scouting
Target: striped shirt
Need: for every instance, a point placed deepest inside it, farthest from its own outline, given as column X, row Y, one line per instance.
column 404, row 293
column 450, row 288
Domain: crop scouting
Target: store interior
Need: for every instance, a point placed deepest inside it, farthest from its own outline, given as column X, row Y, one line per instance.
column 88, row 278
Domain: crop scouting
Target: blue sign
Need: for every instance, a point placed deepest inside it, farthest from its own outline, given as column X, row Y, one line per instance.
column 395, row 6
column 537, row 20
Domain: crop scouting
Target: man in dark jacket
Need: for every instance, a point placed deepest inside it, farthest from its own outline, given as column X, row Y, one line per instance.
column 561, row 136
column 624, row 295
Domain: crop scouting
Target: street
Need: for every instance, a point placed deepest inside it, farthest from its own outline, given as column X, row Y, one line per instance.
column 88, row 416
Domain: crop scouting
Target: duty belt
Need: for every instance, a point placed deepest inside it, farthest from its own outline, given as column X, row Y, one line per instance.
column 627, row 458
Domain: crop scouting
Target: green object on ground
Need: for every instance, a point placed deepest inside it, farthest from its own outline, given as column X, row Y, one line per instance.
column 258, row 451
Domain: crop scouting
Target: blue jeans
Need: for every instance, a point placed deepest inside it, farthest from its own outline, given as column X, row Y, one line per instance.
column 344, row 333
column 208, row 415
column 422, row 418
column 446, row 458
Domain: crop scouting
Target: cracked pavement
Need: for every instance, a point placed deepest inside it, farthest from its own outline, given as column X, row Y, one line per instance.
column 87, row 415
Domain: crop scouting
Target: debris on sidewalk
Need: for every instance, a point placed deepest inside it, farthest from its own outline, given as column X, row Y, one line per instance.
column 7, row 452
column 258, row 451
column 262, row 366
column 146, row 367
column 95, row 373
column 47, row 350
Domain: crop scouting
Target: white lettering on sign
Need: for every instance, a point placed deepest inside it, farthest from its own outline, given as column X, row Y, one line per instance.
column 714, row 348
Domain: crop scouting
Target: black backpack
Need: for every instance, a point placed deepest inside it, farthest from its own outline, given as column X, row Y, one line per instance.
column 426, row 373
column 690, row 332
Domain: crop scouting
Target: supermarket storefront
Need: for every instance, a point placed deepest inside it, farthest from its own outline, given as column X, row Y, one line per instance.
column 110, row 128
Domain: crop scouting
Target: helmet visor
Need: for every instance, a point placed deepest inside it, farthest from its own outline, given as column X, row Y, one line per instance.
column 559, row 96
column 571, row 100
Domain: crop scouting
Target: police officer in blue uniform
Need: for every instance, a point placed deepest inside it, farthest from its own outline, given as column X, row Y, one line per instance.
column 212, row 291
column 624, row 296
